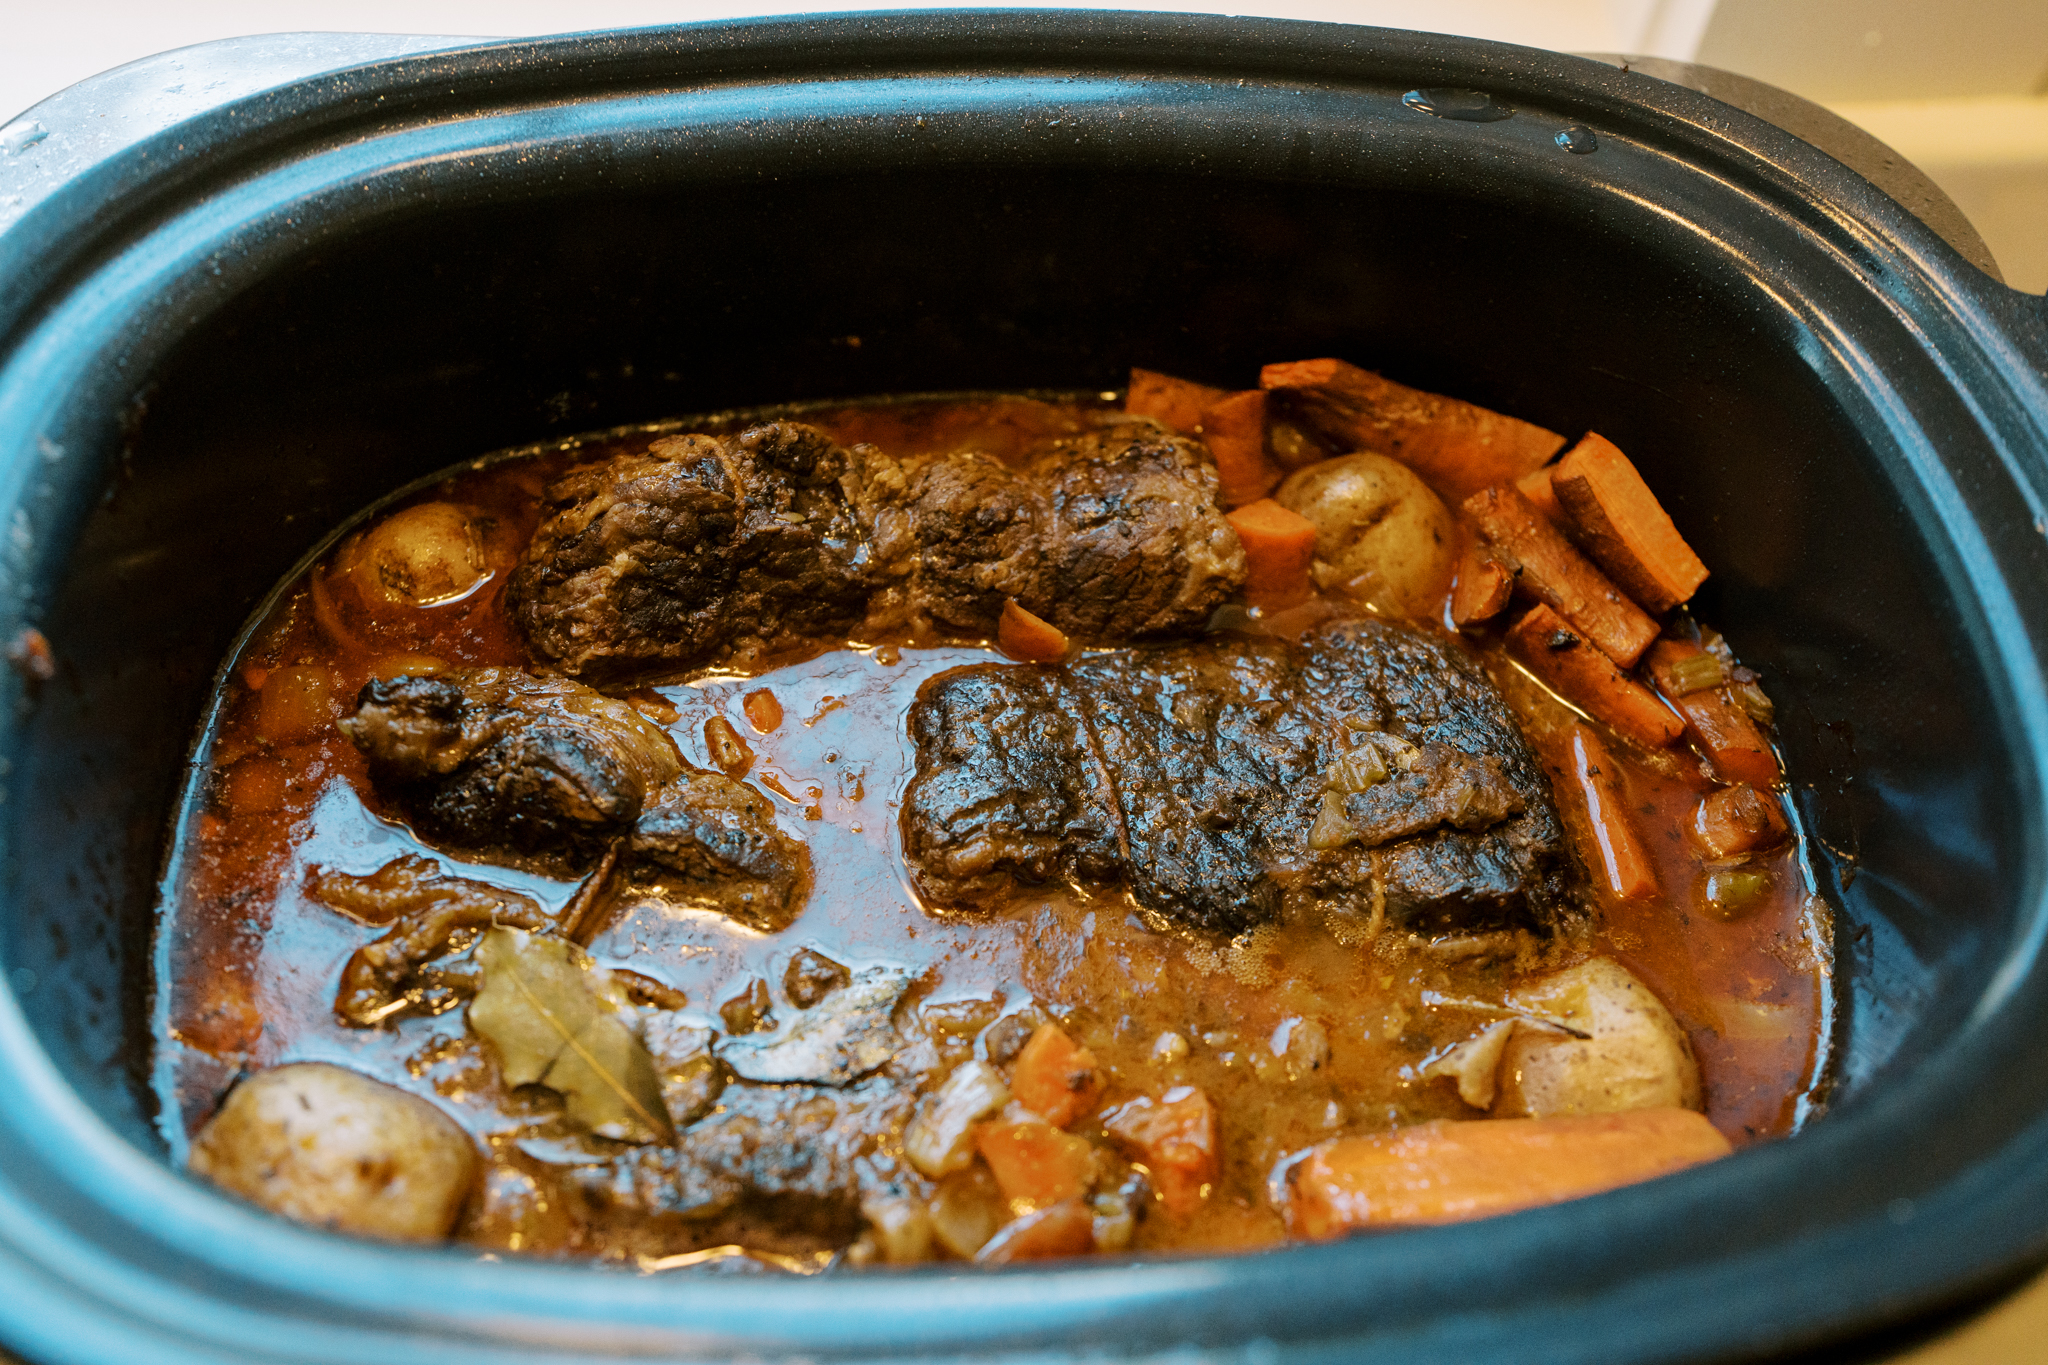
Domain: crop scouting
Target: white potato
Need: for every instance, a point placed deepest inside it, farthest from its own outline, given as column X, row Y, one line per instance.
column 333, row 1148
column 420, row 557
column 1381, row 534
column 1636, row 1057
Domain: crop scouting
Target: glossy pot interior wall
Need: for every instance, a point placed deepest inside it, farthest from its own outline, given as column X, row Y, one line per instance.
column 479, row 278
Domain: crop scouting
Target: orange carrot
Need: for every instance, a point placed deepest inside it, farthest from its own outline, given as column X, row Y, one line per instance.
column 1450, row 1171
column 1175, row 1136
column 1066, row 1229
column 1623, row 526
column 1235, row 430
column 764, row 713
column 1627, row 868
column 1738, row 820
column 1582, row 675
column 1550, row 570
column 1456, row 447
column 1056, row 1078
column 1713, row 719
column 1535, row 486
column 1483, row 587
column 1023, row 636
column 1034, row 1163
column 1179, row 403
column 1278, row 546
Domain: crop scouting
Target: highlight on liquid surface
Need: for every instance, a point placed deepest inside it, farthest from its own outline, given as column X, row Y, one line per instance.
column 986, row 828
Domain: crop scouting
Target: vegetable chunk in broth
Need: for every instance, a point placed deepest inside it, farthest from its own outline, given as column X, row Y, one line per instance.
column 988, row 828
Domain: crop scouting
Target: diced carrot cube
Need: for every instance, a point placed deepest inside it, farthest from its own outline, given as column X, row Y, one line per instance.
column 1235, row 432
column 1035, row 1163
column 1056, row 1078
column 1066, row 1229
column 1175, row 1136
column 1279, row 546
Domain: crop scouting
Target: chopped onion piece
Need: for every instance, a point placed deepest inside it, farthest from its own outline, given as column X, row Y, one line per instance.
column 940, row 1140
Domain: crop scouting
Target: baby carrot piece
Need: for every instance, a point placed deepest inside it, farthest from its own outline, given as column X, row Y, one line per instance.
column 1066, row 1229
column 1034, row 1163
column 1179, row 403
column 1627, row 868
column 1456, row 447
column 1175, row 1136
column 1056, row 1078
column 1450, row 1171
column 1582, row 675
column 1235, row 430
column 1737, row 820
column 1025, row 637
column 764, row 713
column 1693, row 681
column 1278, row 546
column 1623, row 526
column 1535, row 486
column 1550, row 570
column 1483, row 587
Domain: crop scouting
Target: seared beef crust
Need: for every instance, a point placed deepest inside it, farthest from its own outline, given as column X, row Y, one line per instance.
column 1197, row 774
column 705, row 547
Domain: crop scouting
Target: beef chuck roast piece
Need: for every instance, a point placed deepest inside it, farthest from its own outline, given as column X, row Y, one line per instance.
column 497, row 758
column 493, row 758
column 1370, row 769
column 1111, row 536
column 700, row 545
column 706, row 546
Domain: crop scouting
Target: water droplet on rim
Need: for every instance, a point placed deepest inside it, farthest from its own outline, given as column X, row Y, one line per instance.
column 1462, row 106
column 22, row 134
column 1578, row 138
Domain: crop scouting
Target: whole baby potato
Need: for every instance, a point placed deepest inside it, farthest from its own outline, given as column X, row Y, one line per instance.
column 333, row 1148
column 1637, row 1056
column 1381, row 534
column 422, row 556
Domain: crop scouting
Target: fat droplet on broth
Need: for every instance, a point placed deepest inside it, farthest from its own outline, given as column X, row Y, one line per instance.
column 1460, row 106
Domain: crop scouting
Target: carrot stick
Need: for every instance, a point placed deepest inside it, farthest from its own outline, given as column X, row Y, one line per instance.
column 1034, row 1163
column 1623, row 526
column 1550, row 570
column 1235, row 430
column 1535, row 486
column 1056, row 1078
column 1629, row 874
column 1450, row 1171
column 1713, row 720
column 1066, row 1229
column 1582, row 675
column 1737, row 820
column 1455, row 446
column 1023, row 636
column 1278, row 547
column 1179, row 403
column 1483, row 587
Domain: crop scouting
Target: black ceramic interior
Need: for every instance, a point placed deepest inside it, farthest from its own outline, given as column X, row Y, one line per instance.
column 217, row 348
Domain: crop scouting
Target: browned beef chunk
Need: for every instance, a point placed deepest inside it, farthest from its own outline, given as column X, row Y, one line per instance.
column 1111, row 536
column 1369, row 767
column 795, row 1157
column 494, row 759
column 706, row 546
column 715, row 839
column 699, row 546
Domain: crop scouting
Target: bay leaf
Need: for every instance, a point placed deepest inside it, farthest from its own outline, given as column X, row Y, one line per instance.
column 554, row 1021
